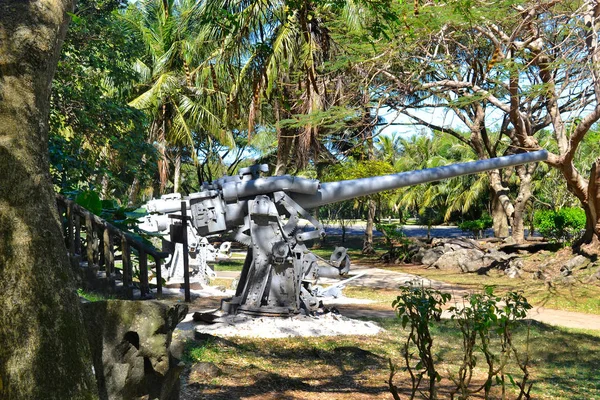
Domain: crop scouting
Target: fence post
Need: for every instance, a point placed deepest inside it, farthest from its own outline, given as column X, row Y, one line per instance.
column 144, row 289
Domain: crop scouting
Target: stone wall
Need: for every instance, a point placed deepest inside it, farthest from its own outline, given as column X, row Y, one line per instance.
column 130, row 343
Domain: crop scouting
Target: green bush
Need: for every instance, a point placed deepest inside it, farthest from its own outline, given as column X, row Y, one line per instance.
column 478, row 226
column 397, row 242
column 487, row 324
column 564, row 225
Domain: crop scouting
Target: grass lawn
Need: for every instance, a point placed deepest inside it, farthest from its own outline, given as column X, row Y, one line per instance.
column 568, row 294
column 572, row 294
column 229, row 265
column 564, row 365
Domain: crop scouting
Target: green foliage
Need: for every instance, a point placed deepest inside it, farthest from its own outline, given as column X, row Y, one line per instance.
column 483, row 319
column 478, row 226
column 90, row 201
column 564, row 225
column 396, row 241
column 96, row 139
column 487, row 323
column 417, row 307
column 93, row 296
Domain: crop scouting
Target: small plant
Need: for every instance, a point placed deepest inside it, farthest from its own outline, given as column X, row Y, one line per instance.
column 477, row 227
column 417, row 307
column 93, row 296
column 486, row 323
column 485, row 318
column 564, row 225
column 396, row 241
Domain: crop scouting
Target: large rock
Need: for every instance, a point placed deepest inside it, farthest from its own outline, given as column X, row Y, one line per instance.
column 577, row 262
column 462, row 259
column 130, row 343
column 430, row 256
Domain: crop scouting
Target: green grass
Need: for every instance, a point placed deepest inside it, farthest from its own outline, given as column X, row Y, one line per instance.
column 564, row 363
column 229, row 265
column 94, row 296
column 561, row 295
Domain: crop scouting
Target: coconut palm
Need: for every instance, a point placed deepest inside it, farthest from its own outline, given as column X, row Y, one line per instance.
column 276, row 53
column 439, row 200
column 181, row 99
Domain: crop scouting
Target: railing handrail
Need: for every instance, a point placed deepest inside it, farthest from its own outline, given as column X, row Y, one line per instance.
column 131, row 239
column 101, row 231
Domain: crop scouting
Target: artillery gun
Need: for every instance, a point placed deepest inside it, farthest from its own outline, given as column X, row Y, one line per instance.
column 264, row 214
column 200, row 251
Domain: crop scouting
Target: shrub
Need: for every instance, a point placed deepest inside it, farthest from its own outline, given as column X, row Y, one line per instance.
column 478, row 226
column 487, row 325
column 564, row 225
column 396, row 241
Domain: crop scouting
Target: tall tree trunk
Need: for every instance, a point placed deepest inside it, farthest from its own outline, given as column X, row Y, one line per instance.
column 44, row 352
column 499, row 218
column 104, row 188
column 590, row 242
column 134, row 190
column 518, row 222
column 368, row 240
column 177, row 171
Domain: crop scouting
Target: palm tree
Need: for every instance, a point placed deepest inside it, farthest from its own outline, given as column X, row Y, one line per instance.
column 179, row 98
column 439, row 200
column 276, row 53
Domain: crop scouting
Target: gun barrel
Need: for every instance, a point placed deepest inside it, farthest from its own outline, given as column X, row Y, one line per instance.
column 333, row 192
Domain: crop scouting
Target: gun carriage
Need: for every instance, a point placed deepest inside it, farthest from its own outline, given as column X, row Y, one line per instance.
column 264, row 212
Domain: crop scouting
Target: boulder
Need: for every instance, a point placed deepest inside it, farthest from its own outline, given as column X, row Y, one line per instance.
column 459, row 260
column 130, row 343
column 514, row 268
column 417, row 258
column 577, row 262
column 203, row 371
column 430, row 256
column 498, row 256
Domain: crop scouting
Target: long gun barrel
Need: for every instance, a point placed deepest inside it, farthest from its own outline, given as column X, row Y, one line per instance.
column 265, row 212
column 333, row 192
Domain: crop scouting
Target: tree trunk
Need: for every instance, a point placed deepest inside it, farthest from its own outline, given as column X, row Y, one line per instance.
column 177, row 172
column 105, row 188
column 518, row 222
column 368, row 241
column 134, row 190
column 590, row 242
column 499, row 217
column 44, row 351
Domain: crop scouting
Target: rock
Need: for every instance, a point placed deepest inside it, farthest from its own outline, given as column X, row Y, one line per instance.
column 456, row 243
column 459, row 259
column 577, row 262
column 509, row 241
column 430, row 256
column 130, row 343
column 513, row 272
column 564, row 271
column 417, row 258
column 498, row 256
column 539, row 275
column 203, row 371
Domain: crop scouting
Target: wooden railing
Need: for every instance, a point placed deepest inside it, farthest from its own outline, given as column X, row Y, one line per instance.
column 92, row 243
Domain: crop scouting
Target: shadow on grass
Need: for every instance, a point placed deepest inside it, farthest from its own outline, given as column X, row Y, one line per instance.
column 346, row 366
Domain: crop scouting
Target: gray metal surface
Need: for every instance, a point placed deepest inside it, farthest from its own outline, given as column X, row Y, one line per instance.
column 279, row 271
column 333, row 192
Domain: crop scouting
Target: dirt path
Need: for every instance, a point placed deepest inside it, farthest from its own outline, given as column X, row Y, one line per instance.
column 385, row 279
column 380, row 278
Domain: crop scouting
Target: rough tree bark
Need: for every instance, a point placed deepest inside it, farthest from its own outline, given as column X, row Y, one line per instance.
column 44, row 352
column 368, row 239
column 500, row 220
